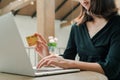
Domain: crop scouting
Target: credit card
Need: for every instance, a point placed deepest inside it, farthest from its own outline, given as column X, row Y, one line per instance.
column 31, row 40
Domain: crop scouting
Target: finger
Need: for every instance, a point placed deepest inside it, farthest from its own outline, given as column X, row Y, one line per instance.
column 42, row 63
column 57, row 62
column 39, row 53
column 50, row 62
column 38, row 44
column 41, row 44
column 41, row 37
column 47, row 62
column 45, row 45
column 54, row 62
column 38, row 48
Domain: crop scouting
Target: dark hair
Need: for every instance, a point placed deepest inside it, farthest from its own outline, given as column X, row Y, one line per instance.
column 100, row 8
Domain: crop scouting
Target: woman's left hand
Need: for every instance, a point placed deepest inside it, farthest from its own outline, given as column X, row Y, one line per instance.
column 54, row 60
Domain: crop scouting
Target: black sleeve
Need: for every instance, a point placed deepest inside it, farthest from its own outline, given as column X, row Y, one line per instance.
column 70, row 51
column 111, row 66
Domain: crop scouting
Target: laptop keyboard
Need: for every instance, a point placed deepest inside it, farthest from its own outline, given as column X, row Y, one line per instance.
column 47, row 69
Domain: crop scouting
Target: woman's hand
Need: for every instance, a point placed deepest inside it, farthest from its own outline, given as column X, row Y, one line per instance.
column 41, row 46
column 55, row 60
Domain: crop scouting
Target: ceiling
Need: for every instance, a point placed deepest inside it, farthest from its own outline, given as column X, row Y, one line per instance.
column 64, row 9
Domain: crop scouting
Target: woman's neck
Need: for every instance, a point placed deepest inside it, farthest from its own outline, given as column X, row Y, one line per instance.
column 98, row 19
column 96, row 25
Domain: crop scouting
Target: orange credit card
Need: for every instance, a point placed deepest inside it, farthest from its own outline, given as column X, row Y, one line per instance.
column 31, row 40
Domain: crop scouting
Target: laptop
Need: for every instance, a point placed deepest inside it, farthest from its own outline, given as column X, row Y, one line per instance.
column 13, row 56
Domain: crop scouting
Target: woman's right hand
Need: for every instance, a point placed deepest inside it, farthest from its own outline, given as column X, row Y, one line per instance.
column 41, row 46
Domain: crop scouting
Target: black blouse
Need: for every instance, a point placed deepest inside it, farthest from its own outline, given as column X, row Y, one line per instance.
column 103, row 48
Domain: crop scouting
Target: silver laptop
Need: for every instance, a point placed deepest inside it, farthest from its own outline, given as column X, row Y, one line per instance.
column 13, row 56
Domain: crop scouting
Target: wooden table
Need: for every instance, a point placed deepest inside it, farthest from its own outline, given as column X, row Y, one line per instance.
column 83, row 75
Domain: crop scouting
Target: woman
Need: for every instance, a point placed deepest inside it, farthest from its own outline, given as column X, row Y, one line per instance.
column 95, row 37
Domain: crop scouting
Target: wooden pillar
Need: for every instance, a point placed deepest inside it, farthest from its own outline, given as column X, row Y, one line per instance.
column 46, row 17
